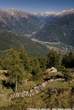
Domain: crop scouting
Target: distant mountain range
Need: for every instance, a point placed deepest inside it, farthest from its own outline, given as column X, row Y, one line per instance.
column 18, row 21
column 46, row 27
column 58, row 27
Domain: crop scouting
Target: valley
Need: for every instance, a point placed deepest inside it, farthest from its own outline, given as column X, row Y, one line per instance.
column 48, row 30
column 36, row 59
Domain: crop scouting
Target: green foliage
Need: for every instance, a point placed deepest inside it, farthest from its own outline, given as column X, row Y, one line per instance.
column 25, row 71
column 68, row 60
column 58, row 98
column 53, row 59
column 42, row 62
column 21, row 66
column 36, row 70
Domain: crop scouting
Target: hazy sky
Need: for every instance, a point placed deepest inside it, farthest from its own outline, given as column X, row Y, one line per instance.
column 37, row 5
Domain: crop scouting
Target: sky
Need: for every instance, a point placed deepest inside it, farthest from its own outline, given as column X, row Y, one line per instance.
column 37, row 5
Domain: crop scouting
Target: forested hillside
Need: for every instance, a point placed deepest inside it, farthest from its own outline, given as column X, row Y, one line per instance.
column 12, row 40
column 28, row 81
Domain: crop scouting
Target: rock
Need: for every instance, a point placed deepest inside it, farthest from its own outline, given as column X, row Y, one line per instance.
column 17, row 94
column 36, row 89
column 32, row 92
column 60, row 79
column 44, row 84
column 51, row 70
column 26, row 93
column 3, row 71
column 41, row 87
column 51, row 80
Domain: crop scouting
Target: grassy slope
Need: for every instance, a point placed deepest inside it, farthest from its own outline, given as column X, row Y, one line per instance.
column 11, row 40
column 35, row 101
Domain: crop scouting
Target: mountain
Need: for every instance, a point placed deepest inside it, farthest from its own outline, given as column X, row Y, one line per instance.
column 19, row 21
column 11, row 40
column 36, row 31
column 60, row 28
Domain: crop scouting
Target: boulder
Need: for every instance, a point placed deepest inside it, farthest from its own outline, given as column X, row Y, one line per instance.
column 51, row 70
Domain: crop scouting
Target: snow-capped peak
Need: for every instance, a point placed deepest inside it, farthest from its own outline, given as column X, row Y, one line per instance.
column 56, row 13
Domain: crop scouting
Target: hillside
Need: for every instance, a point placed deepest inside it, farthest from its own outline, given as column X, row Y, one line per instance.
column 31, row 82
column 12, row 40
column 51, row 27
column 19, row 21
column 59, row 29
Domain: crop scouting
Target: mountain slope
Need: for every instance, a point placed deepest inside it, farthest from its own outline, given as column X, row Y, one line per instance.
column 61, row 28
column 19, row 21
column 49, row 27
column 12, row 40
